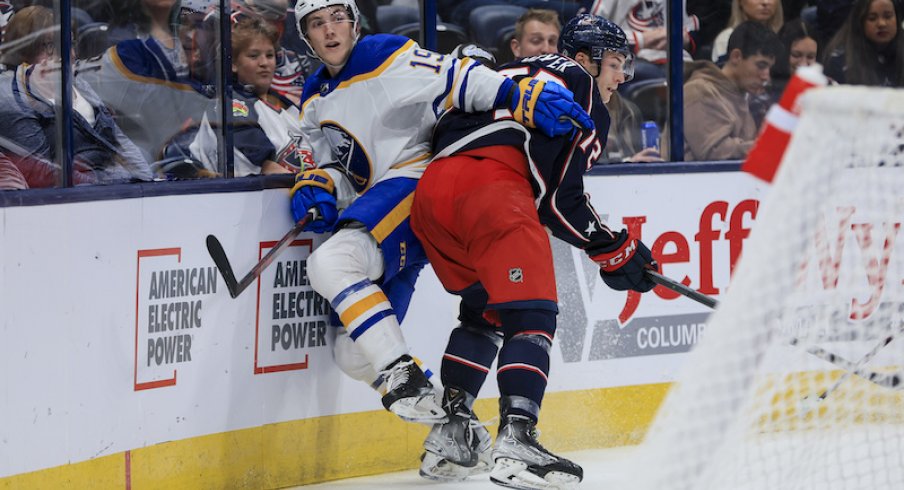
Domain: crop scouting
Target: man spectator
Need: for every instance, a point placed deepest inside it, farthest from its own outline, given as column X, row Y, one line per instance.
column 536, row 32
column 718, row 124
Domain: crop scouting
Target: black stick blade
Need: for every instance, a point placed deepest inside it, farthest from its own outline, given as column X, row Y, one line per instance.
column 222, row 262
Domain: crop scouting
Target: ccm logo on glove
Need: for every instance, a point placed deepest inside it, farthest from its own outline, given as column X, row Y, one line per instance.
column 623, row 263
column 611, row 261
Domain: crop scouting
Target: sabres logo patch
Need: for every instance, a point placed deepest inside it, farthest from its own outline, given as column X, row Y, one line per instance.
column 350, row 153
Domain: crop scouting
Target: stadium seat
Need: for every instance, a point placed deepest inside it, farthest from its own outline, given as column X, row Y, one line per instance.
column 488, row 22
column 390, row 17
column 651, row 97
column 448, row 36
column 92, row 40
column 504, row 45
column 808, row 15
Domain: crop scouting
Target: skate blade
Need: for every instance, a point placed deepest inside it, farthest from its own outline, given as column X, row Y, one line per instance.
column 435, row 467
column 419, row 409
column 515, row 474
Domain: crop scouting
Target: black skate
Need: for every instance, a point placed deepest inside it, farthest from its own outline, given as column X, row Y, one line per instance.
column 409, row 394
column 460, row 447
column 521, row 462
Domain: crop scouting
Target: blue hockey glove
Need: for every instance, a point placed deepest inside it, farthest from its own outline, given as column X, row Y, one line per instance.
column 622, row 264
column 314, row 189
column 548, row 107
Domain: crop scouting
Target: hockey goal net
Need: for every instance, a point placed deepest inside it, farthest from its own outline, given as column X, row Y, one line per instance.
column 796, row 384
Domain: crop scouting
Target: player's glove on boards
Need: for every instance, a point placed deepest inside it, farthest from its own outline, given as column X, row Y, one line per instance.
column 548, row 107
column 315, row 189
column 622, row 264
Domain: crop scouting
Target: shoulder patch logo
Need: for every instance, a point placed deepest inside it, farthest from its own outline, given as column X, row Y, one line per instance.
column 239, row 108
column 516, row 275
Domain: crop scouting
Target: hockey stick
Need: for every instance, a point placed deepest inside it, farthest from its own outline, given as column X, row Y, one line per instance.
column 679, row 288
column 887, row 380
column 215, row 248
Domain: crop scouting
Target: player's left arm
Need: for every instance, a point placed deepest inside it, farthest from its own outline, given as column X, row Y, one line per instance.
column 448, row 82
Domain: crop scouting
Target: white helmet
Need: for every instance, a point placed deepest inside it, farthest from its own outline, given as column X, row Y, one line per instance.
column 305, row 7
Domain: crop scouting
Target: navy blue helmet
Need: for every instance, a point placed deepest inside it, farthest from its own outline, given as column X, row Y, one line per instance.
column 596, row 35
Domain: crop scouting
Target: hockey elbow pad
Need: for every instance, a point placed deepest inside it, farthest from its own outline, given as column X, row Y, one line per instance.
column 549, row 107
column 315, row 189
column 623, row 264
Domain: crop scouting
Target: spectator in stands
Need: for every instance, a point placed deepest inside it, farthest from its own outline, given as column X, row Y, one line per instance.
column 458, row 12
column 27, row 111
column 767, row 12
column 262, row 118
column 830, row 16
column 717, row 120
column 800, row 45
column 10, row 176
column 713, row 16
column 6, row 13
column 147, row 81
column 801, row 49
column 869, row 48
column 625, row 142
column 644, row 23
column 150, row 21
column 291, row 68
column 536, row 32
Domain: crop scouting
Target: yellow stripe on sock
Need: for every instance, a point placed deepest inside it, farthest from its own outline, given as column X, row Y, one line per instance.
column 354, row 311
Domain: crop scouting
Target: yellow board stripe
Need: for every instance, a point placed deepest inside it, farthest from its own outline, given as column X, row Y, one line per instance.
column 392, row 220
column 302, row 452
column 357, row 309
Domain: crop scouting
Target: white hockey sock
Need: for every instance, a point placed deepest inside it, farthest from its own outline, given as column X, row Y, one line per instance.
column 371, row 322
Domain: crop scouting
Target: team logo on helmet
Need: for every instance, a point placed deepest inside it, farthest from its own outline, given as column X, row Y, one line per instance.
column 350, row 154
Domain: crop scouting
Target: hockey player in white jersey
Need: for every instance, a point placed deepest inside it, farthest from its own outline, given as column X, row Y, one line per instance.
column 368, row 115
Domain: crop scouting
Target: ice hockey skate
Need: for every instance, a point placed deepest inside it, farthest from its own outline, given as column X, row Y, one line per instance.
column 459, row 448
column 521, row 462
column 410, row 395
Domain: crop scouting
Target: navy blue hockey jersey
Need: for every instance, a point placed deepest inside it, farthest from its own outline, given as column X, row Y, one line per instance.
column 557, row 165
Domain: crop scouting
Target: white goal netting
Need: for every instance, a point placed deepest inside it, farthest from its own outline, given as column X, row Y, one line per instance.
column 795, row 385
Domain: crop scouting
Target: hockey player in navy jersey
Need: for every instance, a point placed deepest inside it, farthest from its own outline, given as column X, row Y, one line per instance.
column 480, row 211
column 367, row 116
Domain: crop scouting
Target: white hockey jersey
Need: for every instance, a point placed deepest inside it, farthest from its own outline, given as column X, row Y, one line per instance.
column 375, row 119
column 638, row 16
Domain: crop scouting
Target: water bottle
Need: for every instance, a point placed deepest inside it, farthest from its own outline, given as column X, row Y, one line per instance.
column 650, row 135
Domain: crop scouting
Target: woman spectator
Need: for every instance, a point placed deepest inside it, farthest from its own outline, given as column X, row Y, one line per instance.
column 766, row 12
column 801, row 49
column 28, row 94
column 869, row 48
column 146, row 78
column 624, row 142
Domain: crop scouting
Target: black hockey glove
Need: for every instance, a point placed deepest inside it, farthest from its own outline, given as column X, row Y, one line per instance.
column 622, row 264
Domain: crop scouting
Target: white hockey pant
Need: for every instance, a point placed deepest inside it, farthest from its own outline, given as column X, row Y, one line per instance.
column 345, row 264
